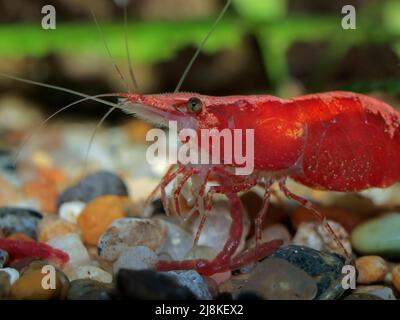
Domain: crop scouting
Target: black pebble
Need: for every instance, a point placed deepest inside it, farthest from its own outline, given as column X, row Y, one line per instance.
column 158, row 206
column 150, row 285
column 224, row 296
column 93, row 186
column 19, row 220
column 249, row 296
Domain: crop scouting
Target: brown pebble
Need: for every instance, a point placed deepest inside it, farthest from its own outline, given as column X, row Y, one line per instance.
column 349, row 220
column 29, row 285
column 51, row 226
column 20, row 236
column 100, row 213
column 396, row 277
column 371, row 269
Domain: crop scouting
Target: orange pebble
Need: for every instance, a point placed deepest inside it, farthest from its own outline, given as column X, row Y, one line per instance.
column 52, row 226
column 7, row 193
column 20, row 236
column 100, row 213
column 137, row 130
column 44, row 192
column 396, row 277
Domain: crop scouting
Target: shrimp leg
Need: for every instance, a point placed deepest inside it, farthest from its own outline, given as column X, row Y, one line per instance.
column 222, row 261
column 309, row 205
column 178, row 190
column 261, row 214
column 225, row 261
column 153, row 193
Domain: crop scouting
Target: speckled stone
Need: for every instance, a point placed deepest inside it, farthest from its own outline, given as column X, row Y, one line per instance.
column 325, row 268
column 19, row 220
column 135, row 258
column 193, row 281
column 131, row 232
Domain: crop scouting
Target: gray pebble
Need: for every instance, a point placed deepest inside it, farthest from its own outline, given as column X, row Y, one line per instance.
column 3, row 258
column 93, row 186
column 193, row 281
column 87, row 289
column 136, row 258
column 19, row 220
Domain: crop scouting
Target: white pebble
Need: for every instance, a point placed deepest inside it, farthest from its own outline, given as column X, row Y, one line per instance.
column 13, row 274
column 73, row 246
column 315, row 235
column 70, row 211
column 93, row 273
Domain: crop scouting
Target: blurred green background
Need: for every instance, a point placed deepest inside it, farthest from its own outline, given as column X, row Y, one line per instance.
column 280, row 47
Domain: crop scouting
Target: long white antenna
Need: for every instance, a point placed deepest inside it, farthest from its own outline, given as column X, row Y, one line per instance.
column 189, row 66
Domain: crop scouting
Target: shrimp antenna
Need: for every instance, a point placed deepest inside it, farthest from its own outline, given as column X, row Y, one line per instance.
column 103, row 38
column 200, row 47
column 50, row 86
column 98, row 125
column 44, row 122
column 128, row 55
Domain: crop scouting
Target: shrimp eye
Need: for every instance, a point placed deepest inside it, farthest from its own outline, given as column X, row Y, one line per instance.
column 194, row 105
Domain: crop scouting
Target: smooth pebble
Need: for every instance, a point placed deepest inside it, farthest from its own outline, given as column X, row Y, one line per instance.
column 19, row 220
column 52, row 226
column 379, row 236
column 29, row 286
column 12, row 273
column 136, row 258
column 277, row 279
column 371, row 269
column 381, row 292
column 396, row 277
column 131, row 232
column 70, row 211
column 325, row 268
column 193, row 281
column 150, row 285
column 88, row 289
column 98, row 184
column 73, row 246
column 93, row 273
column 3, row 258
column 315, row 235
column 178, row 243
